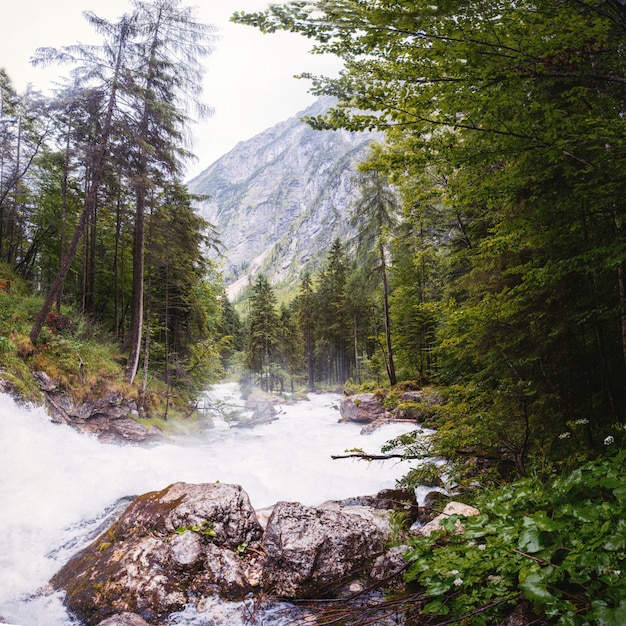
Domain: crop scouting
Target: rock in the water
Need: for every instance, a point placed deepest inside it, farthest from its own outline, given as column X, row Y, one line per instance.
column 362, row 407
column 311, row 552
column 189, row 543
column 167, row 548
column 108, row 417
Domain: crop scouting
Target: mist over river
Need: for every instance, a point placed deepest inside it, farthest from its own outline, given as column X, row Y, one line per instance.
column 58, row 486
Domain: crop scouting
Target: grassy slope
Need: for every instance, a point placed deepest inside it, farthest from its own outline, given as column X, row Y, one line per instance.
column 81, row 358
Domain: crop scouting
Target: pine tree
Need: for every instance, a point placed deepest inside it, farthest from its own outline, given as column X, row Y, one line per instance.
column 263, row 330
column 306, row 320
column 374, row 215
column 109, row 59
column 167, row 79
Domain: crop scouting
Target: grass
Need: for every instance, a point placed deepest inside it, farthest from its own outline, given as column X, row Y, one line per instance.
column 82, row 359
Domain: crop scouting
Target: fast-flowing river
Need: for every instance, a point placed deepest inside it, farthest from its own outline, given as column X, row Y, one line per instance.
column 57, row 486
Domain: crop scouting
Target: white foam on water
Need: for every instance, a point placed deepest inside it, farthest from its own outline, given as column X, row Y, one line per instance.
column 56, row 484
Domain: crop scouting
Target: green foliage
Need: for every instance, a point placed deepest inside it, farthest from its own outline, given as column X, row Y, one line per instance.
column 504, row 137
column 205, row 529
column 560, row 544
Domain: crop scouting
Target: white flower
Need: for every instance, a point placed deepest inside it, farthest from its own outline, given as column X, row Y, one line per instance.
column 482, row 546
column 454, row 572
column 565, row 435
column 458, row 582
column 609, row 440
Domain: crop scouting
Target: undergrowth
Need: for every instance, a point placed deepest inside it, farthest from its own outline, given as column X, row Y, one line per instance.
column 76, row 353
column 561, row 545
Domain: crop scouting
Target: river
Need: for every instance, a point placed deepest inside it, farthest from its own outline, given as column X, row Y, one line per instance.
column 58, row 486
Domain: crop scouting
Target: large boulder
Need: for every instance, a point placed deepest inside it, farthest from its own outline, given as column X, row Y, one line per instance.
column 369, row 408
column 363, row 407
column 167, row 549
column 262, row 406
column 312, row 552
column 189, row 544
column 418, row 405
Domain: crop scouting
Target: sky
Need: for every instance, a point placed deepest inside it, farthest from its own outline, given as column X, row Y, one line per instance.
column 249, row 79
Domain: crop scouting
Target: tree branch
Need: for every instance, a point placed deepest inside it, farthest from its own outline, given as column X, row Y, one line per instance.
column 371, row 457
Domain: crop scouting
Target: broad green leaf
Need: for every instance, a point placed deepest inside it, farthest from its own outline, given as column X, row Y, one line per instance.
column 615, row 543
column 607, row 616
column 535, row 588
column 530, row 541
column 620, row 494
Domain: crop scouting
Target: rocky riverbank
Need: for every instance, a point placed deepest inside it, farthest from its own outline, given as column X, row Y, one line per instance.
column 173, row 548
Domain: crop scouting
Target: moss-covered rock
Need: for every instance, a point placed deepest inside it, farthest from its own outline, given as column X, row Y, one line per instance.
column 166, row 549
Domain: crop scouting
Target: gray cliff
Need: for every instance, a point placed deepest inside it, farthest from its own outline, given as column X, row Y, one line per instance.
column 280, row 199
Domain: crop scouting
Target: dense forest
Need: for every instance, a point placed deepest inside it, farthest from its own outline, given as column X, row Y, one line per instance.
column 93, row 211
column 499, row 279
column 489, row 256
column 496, row 269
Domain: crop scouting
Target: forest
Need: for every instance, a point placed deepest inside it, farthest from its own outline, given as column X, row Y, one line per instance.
column 489, row 257
column 499, row 279
column 489, row 251
column 491, row 218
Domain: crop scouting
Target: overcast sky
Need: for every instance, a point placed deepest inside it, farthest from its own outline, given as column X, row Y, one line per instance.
column 249, row 80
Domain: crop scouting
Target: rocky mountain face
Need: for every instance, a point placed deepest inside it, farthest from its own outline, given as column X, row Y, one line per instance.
column 280, row 199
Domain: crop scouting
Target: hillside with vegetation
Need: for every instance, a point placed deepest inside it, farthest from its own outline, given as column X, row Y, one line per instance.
column 499, row 271
column 503, row 257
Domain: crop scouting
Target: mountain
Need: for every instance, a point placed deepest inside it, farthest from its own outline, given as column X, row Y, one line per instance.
column 280, row 199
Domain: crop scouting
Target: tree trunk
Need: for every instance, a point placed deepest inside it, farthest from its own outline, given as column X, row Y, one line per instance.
column 139, row 234
column 66, row 262
column 391, row 370
column 136, row 324
column 59, row 296
column 357, row 363
column 310, row 363
column 90, row 200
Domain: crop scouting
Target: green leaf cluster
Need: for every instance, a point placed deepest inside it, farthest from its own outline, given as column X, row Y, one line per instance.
column 561, row 545
column 205, row 529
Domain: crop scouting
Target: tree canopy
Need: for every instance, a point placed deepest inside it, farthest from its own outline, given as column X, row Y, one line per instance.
column 504, row 126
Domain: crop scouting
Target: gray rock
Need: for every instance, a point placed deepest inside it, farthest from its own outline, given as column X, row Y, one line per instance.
column 187, row 543
column 363, row 407
column 311, row 552
column 389, row 566
column 452, row 508
column 167, row 549
column 224, row 574
column 124, row 619
column 223, row 512
column 109, row 418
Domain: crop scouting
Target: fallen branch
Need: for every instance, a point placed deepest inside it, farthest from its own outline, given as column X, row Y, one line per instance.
column 370, row 457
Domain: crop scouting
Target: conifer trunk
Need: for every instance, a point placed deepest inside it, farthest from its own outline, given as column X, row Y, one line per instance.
column 90, row 200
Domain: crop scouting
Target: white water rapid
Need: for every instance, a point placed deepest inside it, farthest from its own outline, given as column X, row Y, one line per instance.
column 56, row 486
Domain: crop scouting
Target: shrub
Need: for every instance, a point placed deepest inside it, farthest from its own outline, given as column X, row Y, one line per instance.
column 560, row 545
